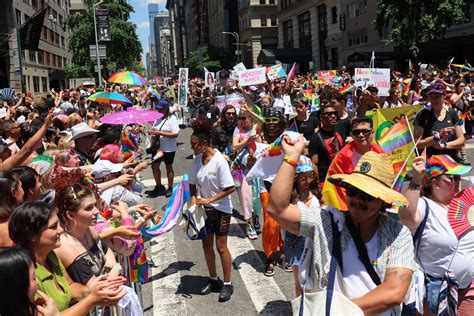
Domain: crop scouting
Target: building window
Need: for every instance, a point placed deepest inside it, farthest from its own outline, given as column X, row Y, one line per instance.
column 272, row 1
column 273, row 20
column 40, row 57
column 34, row 4
column 44, row 83
column 334, row 15
column 262, row 2
column 304, row 22
column 46, row 58
column 32, row 56
column 356, row 8
column 357, row 37
column 18, row 17
column 65, row 61
column 263, row 20
column 36, row 84
column 335, row 58
column 288, row 33
column 63, row 42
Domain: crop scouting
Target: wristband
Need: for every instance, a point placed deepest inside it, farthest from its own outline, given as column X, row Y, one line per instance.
column 414, row 186
column 291, row 162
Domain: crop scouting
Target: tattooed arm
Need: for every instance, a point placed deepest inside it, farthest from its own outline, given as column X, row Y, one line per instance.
column 388, row 294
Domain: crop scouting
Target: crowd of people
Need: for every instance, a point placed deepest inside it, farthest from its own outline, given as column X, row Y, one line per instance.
column 72, row 200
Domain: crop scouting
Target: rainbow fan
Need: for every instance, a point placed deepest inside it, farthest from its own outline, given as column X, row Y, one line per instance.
column 461, row 212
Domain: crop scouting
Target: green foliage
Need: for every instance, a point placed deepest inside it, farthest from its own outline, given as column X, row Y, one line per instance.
column 199, row 59
column 76, row 71
column 123, row 50
column 412, row 22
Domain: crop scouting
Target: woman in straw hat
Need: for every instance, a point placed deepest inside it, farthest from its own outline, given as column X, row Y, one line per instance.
column 438, row 249
column 378, row 282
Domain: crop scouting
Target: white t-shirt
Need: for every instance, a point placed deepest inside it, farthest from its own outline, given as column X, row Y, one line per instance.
column 212, row 179
column 439, row 242
column 171, row 125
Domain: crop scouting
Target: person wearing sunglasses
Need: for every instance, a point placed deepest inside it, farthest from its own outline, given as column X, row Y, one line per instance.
column 438, row 248
column 274, row 124
column 377, row 256
column 222, row 135
column 327, row 142
column 362, row 134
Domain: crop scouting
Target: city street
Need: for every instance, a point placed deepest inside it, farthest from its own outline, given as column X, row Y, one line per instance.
column 180, row 270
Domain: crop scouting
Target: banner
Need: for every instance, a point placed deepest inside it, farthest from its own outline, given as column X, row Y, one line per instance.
column 384, row 119
column 30, row 32
column 327, row 76
column 239, row 68
column 183, row 87
column 275, row 72
column 103, row 24
column 252, row 76
column 209, row 79
column 233, row 75
column 375, row 77
column 230, row 99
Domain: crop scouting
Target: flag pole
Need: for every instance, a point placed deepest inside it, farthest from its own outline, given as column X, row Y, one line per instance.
column 404, row 164
column 412, row 136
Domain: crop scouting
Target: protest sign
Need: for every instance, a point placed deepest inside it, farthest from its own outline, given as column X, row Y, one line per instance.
column 209, row 79
column 183, row 87
column 240, row 67
column 233, row 75
column 252, row 76
column 375, row 77
column 233, row 99
column 275, row 72
column 327, row 76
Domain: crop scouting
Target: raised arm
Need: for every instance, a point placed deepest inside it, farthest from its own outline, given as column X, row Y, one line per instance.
column 410, row 216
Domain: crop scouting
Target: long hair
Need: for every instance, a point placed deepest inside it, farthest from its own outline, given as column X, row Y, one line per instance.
column 314, row 188
column 224, row 122
column 28, row 177
column 15, row 281
column 8, row 182
column 70, row 199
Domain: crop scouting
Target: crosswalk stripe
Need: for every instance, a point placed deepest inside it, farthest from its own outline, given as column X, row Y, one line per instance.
column 261, row 289
column 470, row 145
column 164, row 255
column 151, row 182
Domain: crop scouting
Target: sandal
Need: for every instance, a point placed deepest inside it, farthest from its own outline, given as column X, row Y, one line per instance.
column 287, row 267
column 269, row 270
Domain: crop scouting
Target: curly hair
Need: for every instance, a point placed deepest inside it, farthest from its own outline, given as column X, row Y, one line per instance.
column 70, row 199
column 202, row 128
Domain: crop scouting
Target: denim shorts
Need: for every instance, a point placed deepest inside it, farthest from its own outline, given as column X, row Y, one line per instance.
column 294, row 246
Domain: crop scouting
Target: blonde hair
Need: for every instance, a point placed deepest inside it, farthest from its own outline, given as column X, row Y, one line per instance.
column 70, row 199
column 74, row 119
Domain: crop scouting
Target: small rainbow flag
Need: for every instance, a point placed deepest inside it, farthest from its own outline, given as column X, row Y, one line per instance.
column 410, row 65
column 397, row 186
column 139, row 263
column 346, row 89
column 406, row 88
column 465, row 67
column 308, row 94
column 397, row 136
column 158, row 155
column 129, row 145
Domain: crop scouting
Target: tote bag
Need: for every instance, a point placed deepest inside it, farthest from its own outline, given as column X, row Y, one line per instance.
column 194, row 222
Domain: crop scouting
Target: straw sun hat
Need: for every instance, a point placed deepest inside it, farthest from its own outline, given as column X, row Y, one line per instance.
column 373, row 175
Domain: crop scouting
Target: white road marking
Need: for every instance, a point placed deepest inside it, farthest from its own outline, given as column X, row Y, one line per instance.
column 470, row 145
column 165, row 301
column 261, row 289
column 151, row 182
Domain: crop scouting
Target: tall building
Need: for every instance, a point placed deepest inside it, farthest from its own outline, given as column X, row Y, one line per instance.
column 257, row 28
column 42, row 70
column 223, row 17
column 160, row 22
column 178, row 32
column 166, row 55
column 152, row 65
column 195, row 19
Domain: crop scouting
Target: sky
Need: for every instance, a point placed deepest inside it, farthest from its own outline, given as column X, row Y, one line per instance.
column 140, row 18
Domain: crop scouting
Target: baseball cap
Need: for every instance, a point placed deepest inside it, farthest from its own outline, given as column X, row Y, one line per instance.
column 437, row 87
column 163, row 104
column 104, row 167
column 437, row 165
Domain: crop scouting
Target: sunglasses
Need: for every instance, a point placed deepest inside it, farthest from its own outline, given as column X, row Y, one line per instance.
column 364, row 132
column 330, row 113
column 272, row 120
column 230, row 113
column 452, row 177
column 353, row 192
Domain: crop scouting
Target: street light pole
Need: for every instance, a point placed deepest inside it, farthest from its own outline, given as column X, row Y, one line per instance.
column 99, row 75
column 237, row 38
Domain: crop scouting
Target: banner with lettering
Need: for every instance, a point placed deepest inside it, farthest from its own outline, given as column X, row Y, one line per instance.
column 233, row 99
column 327, row 76
column 252, row 76
column 276, row 71
column 375, row 77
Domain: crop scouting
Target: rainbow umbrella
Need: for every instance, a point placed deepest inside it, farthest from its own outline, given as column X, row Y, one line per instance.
column 127, row 77
column 109, row 97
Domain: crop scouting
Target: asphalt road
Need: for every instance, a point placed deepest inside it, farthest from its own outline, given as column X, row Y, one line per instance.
column 180, row 270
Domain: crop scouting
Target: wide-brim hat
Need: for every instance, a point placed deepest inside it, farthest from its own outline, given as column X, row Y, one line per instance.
column 81, row 130
column 373, row 175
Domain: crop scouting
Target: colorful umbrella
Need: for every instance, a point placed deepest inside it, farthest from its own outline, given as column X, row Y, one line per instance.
column 461, row 212
column 127, row 77
column 88, row 83
column 109, row 97
column 131, row 116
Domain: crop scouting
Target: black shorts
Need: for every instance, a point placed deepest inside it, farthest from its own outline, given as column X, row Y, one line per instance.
column 168, row 158
column 217, row 222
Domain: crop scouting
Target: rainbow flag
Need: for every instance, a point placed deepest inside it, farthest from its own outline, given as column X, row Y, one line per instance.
column 465, row 67
column 462, row 118
column 179, row 197
column 410, row 66
column 129, row 145
column 397, row 136
column 406, row 88
column 397, row 186
column 291, row 74
column 139, row 263
column 346, row 89
column 308, row 94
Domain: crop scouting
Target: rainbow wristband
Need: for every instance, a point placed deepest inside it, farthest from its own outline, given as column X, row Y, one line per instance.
column 291, row 162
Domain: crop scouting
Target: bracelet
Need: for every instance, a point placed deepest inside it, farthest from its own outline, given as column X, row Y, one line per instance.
column 291, row 162
column 131, row 210
column 414, row 186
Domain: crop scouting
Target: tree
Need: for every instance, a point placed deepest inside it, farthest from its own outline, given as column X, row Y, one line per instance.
column 412, row 22
column 199, row 59
column 124, row 49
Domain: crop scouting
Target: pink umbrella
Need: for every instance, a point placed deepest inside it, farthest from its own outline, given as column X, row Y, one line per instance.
column 131, row 116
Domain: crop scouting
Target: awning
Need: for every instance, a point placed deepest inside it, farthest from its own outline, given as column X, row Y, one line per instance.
column 284, row 55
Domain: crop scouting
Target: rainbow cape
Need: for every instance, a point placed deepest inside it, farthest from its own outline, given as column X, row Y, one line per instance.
column 397, row 136
column 179, row 197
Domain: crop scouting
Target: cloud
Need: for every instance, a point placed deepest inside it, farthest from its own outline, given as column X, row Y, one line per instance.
column 143, row 25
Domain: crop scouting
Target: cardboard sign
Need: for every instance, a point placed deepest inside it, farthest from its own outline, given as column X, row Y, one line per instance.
column 275, row 72
column 233, row 75
column 209, row 79
column 230, row 99
column 183, row 87
column 375, row 77
column 239, row 68
column 327, row 76
column 252, row 76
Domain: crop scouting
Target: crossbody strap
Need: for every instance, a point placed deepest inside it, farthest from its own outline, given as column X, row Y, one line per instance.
column 362, row 250
column 421, row 228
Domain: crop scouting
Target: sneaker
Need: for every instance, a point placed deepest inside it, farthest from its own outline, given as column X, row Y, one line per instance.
column 211, row 286
column 156, row 189
column 168, row 193
column 226, row 292
column 251, row 233
column 256, row 224
column 465, row 161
